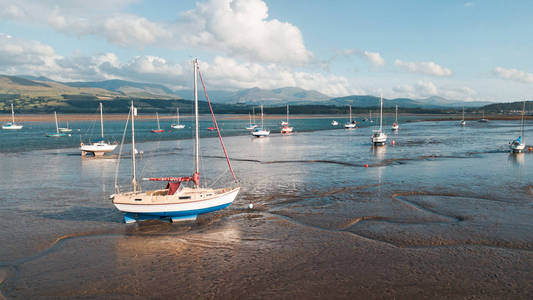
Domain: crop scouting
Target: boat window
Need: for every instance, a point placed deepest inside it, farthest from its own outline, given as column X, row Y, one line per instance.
column 185, row 197
column 137, row 199
column 209, row 195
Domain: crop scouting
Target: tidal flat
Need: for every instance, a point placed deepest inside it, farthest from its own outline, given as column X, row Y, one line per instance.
column 445, row 212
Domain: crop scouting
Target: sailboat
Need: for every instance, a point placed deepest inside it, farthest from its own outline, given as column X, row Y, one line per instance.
column 177, row 125
column 286, row 129
column 99, row 147
column 251, row 124
column 158, row 130
column 261, row 131
column 175, row 201
column 12, row 125
column 65, row 129
column 483, row 118
column 370, row 117
column 463, row 122
column 351, row 124
column 395, row 125
column 378, row 137
column 334, row 123
column 518, row 145
column 57, row 134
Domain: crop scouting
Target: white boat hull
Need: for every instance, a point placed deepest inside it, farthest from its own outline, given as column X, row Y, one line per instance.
column 175, row 126
column 349, row 126
column 379, row 138
column 11, row 126
column 261, row 133
column 98, row 147
column 286, row 130
column 182, row 210
column 395, row 127
column 334, row 123
column 516, row 147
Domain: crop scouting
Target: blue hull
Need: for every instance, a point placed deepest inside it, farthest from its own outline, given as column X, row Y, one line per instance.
column 174, row 215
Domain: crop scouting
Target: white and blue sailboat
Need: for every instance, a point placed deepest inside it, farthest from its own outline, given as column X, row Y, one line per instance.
column 176, row 201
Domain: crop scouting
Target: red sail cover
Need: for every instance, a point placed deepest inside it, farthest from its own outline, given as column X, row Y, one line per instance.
column 194, row 178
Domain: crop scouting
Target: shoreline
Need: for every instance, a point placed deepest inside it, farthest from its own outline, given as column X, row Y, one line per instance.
column 119, row 117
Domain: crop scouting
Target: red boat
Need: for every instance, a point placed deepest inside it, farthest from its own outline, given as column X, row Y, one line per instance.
column 158, row 130
column 211, row 128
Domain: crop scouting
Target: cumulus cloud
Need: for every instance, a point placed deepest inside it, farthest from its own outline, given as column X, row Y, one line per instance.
column 428, row 68
column 239, row 28
column 424, row 89
column 18, row 56
column 374, row 58
column 514, row 74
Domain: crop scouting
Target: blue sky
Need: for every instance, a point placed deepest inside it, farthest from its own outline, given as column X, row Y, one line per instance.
column 468, row 50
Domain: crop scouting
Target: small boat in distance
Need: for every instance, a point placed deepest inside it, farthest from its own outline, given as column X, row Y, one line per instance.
column 158, row 130
column 483, row 120
column 463, row 122
column 286, row 129
column 57, row 134
column 260, row 131
column 334, row 123
column 12, row 125
column 370, row 117
column 379, row 138
column 99, row 147
column 351, row 124
column 65, row 129
column 395, row 125
column 251, row 125
column 176, row 201
column 518, row 145
column 177, row 125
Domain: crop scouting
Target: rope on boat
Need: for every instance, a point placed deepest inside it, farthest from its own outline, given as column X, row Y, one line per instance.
column 216, row 126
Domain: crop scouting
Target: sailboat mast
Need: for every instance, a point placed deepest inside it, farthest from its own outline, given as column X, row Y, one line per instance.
column 253, row 113
column 178, row 114
column 287, row 114
column 262, row 124
column 396, row 113
column 197, row 137
column 57, row 127
column 12, row 114
column 101, row 120
column 522, row 122
column 381, row 112
column 134, row 180
column 250, row 118
column 157, row 117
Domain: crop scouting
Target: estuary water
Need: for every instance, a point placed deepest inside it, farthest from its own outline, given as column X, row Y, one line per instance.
column 445, row 211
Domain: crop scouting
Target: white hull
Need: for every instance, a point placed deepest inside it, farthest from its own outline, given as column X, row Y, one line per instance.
column 517, row 147
column 98, row 147
column 175, row 126
column 379, row 138
column 334, row 123
column 283, row 123
column 395, row 127
column 171, row 205
column 261, row 133
column 349, row 126
column 12, row 127
column 65, row 130
column 463, row 123
column 251, row 127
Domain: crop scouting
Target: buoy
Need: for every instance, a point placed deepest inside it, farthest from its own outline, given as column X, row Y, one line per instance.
column 530, row 148
column 393, row 142
column 366, row 165
column 250, row 206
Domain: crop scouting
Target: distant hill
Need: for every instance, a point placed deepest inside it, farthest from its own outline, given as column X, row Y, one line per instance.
column 515, row 107
column 429, row 103
column 129, row 88
column 256, row 96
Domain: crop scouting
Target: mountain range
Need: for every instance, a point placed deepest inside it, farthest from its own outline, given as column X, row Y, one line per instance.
column 55, row 93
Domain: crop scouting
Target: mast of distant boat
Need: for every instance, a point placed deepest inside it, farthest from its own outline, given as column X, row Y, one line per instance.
column 12, row 114
column 101, row 121
column 133, row 150
column 287, row 114
column 57, row 127
column 262, row 124
column 178, row 115
column 522, row 122
column 196, row 137
column 350, row 113
column 396, row 121
column 380, row 113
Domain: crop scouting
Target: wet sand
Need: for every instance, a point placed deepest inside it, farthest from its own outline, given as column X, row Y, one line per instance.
column 432, row 217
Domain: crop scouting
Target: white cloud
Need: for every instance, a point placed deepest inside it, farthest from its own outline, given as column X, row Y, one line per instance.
column 239, row 28
column 428, row 68
column 374, row 58
column 424, row 89
column 514, row 74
